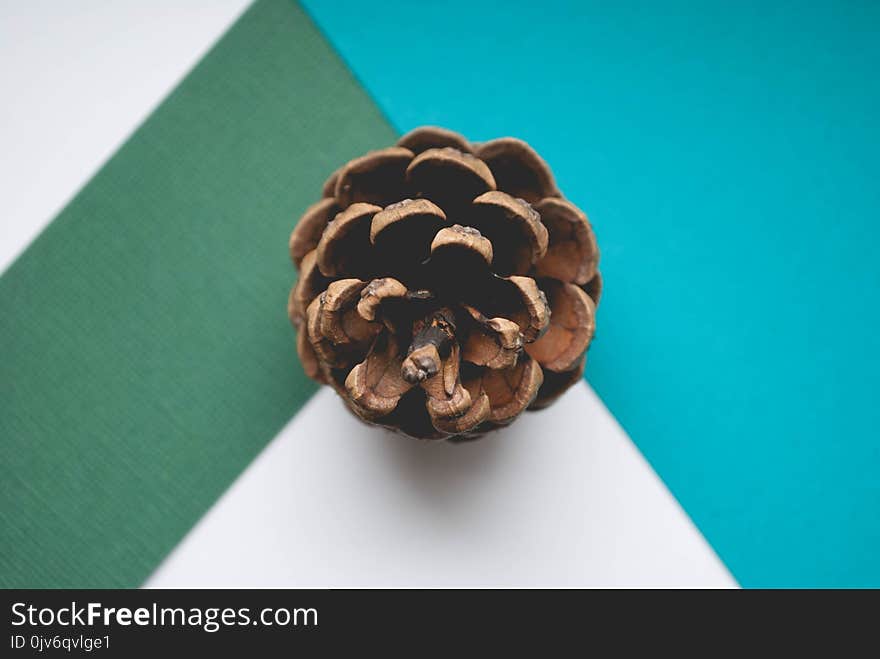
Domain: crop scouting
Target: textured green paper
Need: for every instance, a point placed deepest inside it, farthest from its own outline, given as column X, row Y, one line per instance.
column 146, row 352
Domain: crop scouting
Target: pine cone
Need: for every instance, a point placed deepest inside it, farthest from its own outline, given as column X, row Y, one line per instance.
column 444, row 287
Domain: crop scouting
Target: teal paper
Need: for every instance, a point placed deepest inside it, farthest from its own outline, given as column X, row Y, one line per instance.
column 728, row 157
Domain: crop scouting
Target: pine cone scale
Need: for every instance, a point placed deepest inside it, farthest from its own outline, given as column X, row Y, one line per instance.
column 376, row 178
column 570, row 329
column 519, row 170
column 311, row 226
column 572, row 253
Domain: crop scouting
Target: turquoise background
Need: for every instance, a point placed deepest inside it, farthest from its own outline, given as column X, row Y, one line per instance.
column 727, row 154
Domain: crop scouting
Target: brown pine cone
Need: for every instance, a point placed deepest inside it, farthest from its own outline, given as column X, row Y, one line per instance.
column 444, row 287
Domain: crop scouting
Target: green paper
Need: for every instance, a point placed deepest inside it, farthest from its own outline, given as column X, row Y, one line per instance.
column 147, row 355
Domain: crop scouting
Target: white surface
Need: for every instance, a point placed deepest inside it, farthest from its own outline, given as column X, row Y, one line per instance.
column 76, row 79
column 561, row 498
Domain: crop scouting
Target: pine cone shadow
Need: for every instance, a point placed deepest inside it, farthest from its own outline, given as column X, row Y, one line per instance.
column 442, row 472
column 455, row 485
